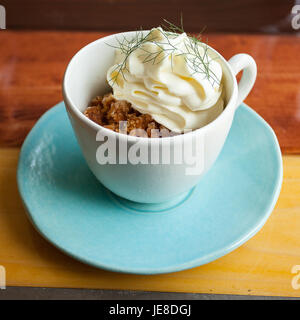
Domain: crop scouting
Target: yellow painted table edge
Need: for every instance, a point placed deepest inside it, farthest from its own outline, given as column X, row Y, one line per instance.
column 262, row 266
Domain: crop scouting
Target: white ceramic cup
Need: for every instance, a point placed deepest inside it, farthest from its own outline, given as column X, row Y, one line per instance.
column 85, row 78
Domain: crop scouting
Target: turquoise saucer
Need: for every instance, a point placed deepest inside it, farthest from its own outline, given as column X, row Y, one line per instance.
column 71, row 209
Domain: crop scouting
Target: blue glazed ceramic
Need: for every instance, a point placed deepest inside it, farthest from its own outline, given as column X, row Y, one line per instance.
column 71, row 209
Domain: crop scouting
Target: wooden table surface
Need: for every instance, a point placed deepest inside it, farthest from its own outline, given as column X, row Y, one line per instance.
column 32, row 64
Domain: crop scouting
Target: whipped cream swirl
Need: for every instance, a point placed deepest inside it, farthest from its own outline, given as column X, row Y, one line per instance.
column 160, row 78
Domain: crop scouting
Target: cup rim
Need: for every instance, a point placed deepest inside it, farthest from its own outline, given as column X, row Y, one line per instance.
column 230, row 106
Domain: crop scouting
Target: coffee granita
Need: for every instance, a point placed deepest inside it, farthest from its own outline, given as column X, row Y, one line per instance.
column 108, row 112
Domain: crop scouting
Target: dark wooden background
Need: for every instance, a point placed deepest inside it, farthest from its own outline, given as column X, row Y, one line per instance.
column 268, row 16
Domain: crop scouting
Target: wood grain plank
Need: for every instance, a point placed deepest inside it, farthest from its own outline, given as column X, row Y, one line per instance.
column 262, row 266
column 32, row 66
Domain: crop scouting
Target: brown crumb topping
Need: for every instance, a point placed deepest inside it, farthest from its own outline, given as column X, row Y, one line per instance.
column 108, row 112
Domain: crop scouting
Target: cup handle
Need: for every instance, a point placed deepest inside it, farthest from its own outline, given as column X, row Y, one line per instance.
column 239, row 62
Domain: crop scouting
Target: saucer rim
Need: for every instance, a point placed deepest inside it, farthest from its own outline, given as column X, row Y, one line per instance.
column 161, row 270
